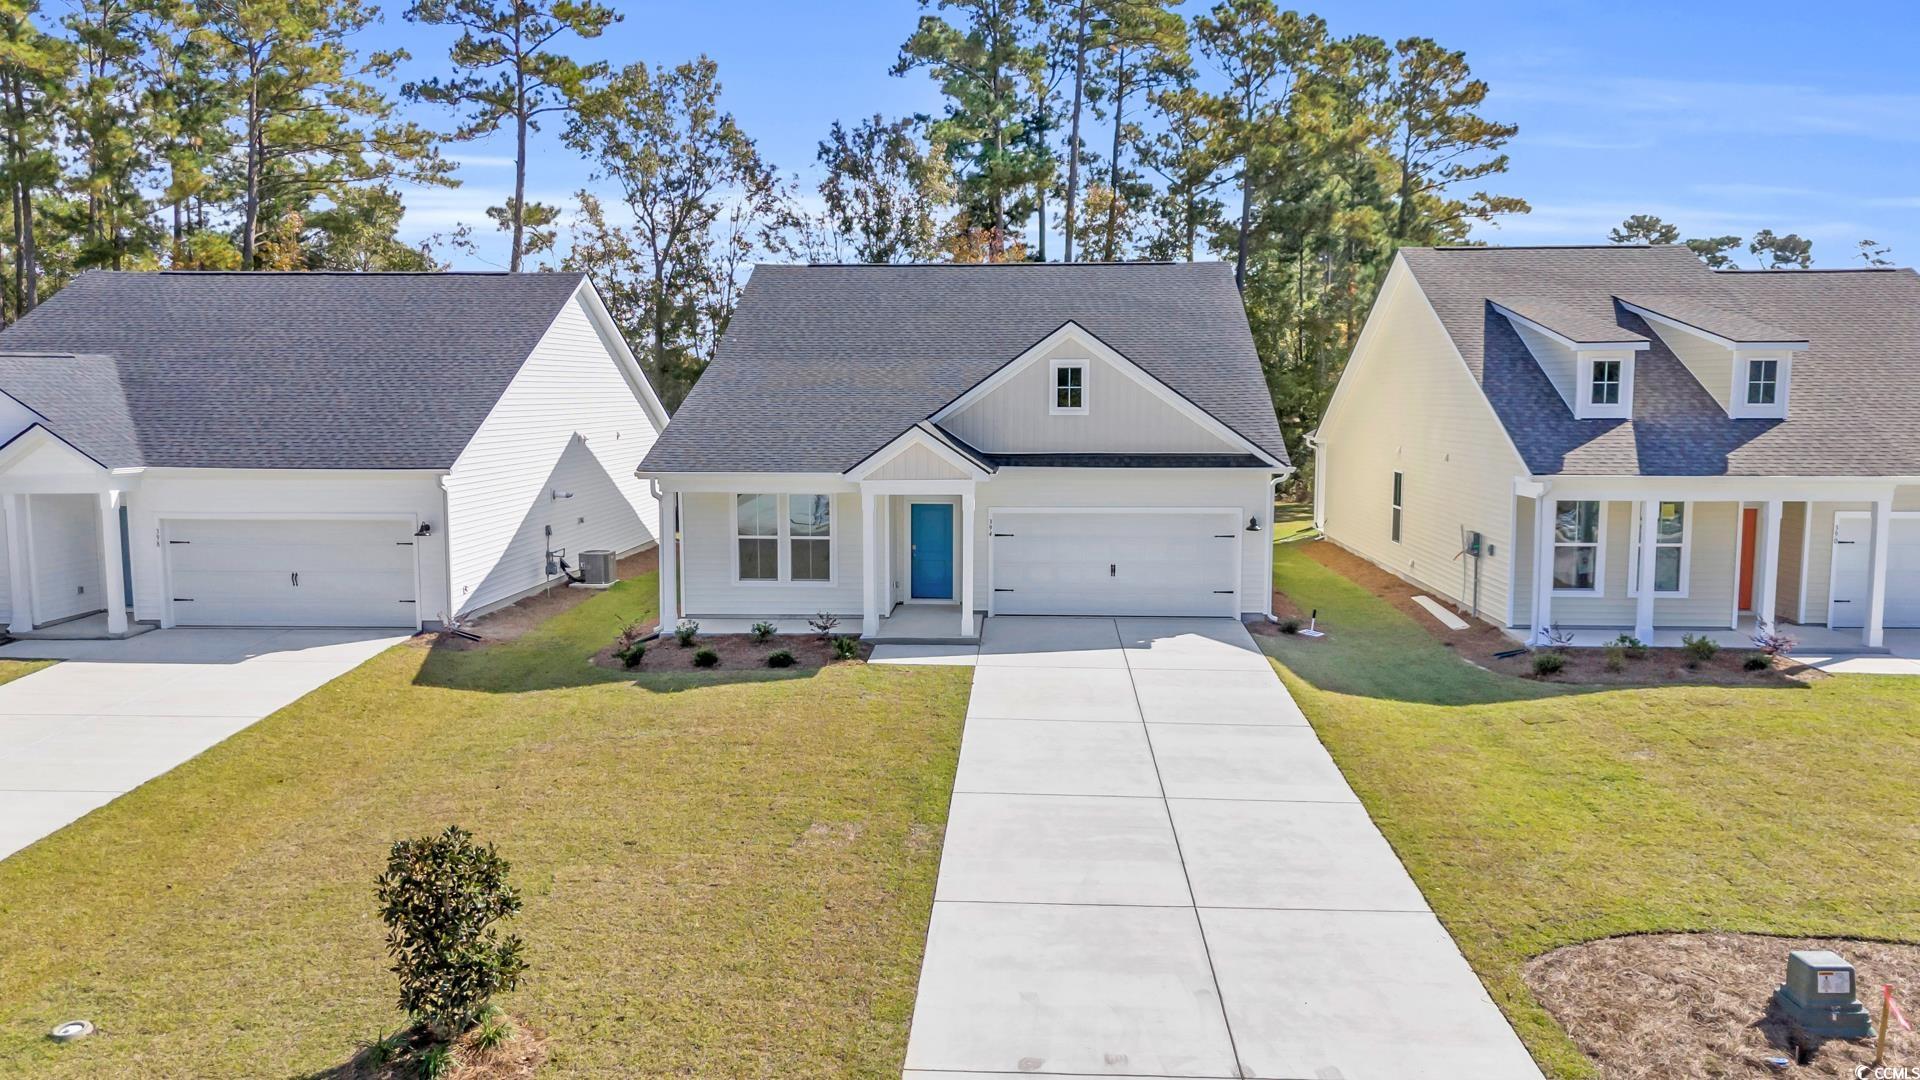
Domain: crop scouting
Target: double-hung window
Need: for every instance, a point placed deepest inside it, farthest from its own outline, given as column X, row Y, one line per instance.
column 1606, row 382
column 1576, row 546
column 1763, row 381
column 783, row 537
column 1669, row 551
column 1069, row 387
column 1399, row 484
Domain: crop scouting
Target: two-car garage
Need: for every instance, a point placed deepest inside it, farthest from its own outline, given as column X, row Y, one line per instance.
column 341, row 571
column 1132, row 561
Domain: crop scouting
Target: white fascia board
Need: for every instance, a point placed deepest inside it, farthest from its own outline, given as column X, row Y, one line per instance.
column 1723, row 488
column 810, row 483
column 1635, row 344
column 37, row 435
column 916, row 436
column 1709, row 336
column 1079, row 335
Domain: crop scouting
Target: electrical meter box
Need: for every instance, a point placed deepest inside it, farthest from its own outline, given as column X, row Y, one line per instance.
column 1819, row 996
column 1472, row 546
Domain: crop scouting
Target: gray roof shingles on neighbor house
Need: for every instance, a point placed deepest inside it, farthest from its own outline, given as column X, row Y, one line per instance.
column 1854, row 403
column 277, row 370
column 823, row 365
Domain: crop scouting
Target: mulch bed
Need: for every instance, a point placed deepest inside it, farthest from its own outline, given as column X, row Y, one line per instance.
column 511, row 622
column 519, row 1057
column 736, row 651
column 1670, row 1005
column 1480, row 642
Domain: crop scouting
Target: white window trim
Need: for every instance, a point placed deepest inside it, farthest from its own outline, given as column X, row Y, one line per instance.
column 1585, row 408
column 783, row 536
column 1747, row 398
column 1686, row 553
column 1053, row 386
column 1599, row 546
column 1397, row 513
column 1737, row 405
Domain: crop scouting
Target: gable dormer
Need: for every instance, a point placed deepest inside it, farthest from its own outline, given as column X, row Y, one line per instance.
column 1745, row 364
column 1071, row 393
column 1588, row 359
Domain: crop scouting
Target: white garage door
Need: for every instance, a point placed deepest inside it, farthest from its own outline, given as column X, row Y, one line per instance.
column 291, row 573
column 1124, row 562
column 1852, row 544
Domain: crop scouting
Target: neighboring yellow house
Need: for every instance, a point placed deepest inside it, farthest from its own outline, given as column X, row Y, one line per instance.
column 1743, row 440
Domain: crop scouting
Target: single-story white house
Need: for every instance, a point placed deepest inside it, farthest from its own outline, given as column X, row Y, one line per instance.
column 1617, row 439
column 266, row 449
column 911, row 447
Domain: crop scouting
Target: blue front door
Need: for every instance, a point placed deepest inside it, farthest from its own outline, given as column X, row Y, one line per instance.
column 932, row 539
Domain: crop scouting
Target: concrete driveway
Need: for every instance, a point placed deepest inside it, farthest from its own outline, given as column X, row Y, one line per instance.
column 115, row 714
column 1152, row 868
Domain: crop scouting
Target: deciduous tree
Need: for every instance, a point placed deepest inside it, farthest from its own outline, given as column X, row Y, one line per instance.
column 884, row 190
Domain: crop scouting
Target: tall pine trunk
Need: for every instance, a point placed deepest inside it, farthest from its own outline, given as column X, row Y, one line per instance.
column 1073, row 131
column 1110, row 250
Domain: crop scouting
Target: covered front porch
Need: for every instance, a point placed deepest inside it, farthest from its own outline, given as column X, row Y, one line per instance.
column 1724, row 557
column 67, row 564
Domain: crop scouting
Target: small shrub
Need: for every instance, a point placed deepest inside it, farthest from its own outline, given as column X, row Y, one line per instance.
column 1290, row 626
column 783, row 658
column 1630, row 647
column 846, row 648
column 1616, row 659
column 440, row 896
column 384, row 1049
column 823, row 624
column 631, row 645
column 495, row 1031
column 1699, row 650
column 1548, row 663
column 706, row 658
column 1558, row 638
column 1772, row 642
column 684, row 632
column 761, row 631
column 1757, row 662
column 437, row 1061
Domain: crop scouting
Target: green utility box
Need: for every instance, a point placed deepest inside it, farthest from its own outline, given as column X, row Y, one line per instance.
column 1819, row 996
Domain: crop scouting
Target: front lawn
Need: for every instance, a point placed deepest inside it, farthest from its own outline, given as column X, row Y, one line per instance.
column 1536, row 816
column 725, row 874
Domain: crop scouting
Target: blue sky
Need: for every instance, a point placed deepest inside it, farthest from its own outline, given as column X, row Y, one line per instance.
column 1721, row 118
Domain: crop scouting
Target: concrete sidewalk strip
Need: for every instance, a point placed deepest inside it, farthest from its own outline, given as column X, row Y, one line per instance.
column 1060, row 849
column 1048, row 988
column 1314, row 855
column 925, row 655
column 1362, row 995
column 1055, row 757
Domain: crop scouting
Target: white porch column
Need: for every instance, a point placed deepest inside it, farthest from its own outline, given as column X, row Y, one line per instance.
column 966, row 564
column 1643, row 604
column 19, row 566
column 1766, row 593
column 1873, row 635
column 869, row 564
column 113, row 576
column 1543, row 514
column 669, row 560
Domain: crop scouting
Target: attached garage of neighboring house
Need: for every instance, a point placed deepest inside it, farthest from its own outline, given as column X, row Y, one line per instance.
column 1132, row 561
column 338, row 450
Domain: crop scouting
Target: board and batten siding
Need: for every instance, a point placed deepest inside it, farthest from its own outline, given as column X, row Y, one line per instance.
column 1408, row 404
column 64, row 540
column 1122, row 416
column 917, row 463
column 569, row 423
column 707, row 579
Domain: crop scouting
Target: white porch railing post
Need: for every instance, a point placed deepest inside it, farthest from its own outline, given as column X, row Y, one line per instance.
column 1643, row 604
column 1873, row 635
column 113, row 578
column 870, row 564
column 966, row 565
column 19, row 566
column 669, row 560
column 1766, row 596
column 1543, row 520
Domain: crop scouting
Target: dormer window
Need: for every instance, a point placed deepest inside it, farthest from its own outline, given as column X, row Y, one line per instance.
column 1606, row 382
column 1763, row 381
column 1069, row 387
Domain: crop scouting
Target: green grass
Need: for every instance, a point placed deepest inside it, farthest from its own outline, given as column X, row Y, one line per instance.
column 725, row 874
column 14, row 669
column 1537, row 816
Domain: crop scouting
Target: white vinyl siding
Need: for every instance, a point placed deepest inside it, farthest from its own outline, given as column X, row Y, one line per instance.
column 1121, row 416
column 65, row 547
column 917, row 463
column 707, row 572
column 571, row 424
column 1793, row 547
column 1407, row 404
column 1712, row 578
column 1711, row 365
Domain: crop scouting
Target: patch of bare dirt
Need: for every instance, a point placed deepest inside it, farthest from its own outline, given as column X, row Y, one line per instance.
column 1481, row 642
column 516, row 619
column 1673, row 1005
column 736, row 651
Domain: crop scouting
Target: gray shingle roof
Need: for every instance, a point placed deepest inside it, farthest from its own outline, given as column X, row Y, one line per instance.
column 1573, row 324
column 1854, row 406
column 278, row 371
column 1731, row 325
column 823, row 365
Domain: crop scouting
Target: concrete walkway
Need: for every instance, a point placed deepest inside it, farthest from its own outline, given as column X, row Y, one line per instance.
column 1153, row 869
column 115, row 714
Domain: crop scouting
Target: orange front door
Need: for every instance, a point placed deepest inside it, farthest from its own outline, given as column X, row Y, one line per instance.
column 1749, row 525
